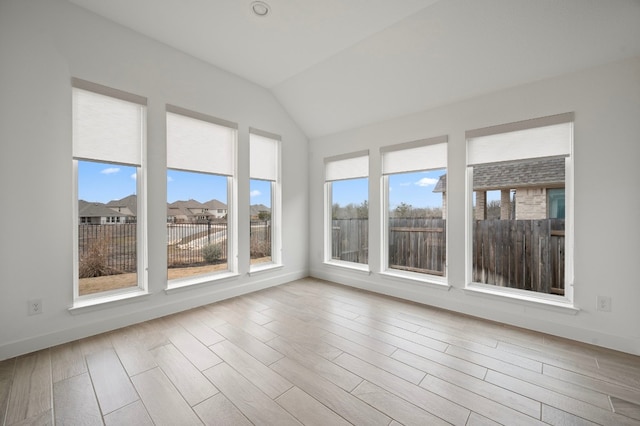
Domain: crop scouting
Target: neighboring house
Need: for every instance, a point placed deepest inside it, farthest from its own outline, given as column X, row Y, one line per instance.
column 127, row 205
column 537, row 187
column 257, row 209
column 217, row 208
column 91, row 213
column 190, row 211
column 193, row 211
column 125, row 211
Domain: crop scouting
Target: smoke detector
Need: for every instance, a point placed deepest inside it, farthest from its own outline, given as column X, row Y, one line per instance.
column 260, row 8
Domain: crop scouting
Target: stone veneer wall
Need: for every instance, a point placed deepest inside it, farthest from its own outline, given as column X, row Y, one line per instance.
column 444, row 205
column 531, row 203
column 480, row 212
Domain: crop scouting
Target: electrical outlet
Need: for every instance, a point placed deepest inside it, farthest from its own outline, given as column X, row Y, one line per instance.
column 604, row 304
column 34, row 306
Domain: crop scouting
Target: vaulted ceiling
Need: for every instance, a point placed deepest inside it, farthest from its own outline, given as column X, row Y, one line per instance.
column 340, row 64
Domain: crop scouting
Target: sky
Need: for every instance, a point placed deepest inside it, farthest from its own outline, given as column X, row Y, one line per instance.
column 102, row 182
column 414, row 188
column 183, row 186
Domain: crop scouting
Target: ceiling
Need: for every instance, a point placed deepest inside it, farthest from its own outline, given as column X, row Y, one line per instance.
column 341, row 64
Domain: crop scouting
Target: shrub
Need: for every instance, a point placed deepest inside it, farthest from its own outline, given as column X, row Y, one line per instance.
column 260, row 249
column 94, row 262
column 212, row 253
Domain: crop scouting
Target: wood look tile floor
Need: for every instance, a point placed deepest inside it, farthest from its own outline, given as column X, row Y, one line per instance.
column 315, row 353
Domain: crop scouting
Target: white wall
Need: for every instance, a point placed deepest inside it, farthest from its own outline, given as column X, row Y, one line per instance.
column 606, row 102
column 43, row 43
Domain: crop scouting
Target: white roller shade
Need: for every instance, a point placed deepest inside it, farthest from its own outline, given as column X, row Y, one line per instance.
column 552, row 140
column 414, row 156
column 351, row 166
column 263, row 157
column 200, row 146
column 107, row 128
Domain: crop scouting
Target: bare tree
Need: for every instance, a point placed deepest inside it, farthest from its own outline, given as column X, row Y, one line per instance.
column 493, row 209
column 403, row 210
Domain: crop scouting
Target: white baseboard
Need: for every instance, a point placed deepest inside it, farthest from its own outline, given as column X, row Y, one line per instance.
column 35, row 343
column 140, row 313
column 417, row 294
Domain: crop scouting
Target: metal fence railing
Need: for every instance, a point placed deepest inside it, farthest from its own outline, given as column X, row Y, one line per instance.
column 107, row 249
column 260, row 239
column 111, row 249
column 186, row 242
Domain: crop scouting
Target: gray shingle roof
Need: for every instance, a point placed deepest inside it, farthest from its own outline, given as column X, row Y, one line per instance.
column 187, row 209
column 215, row 204
column 539, row 172
column 192, row 207
column 441, row 186
column 189, row 204
column 129, row 203
column 255, row 209
column 92, row 209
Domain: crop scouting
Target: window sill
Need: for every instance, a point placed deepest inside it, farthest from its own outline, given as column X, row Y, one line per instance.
column 561, row 306
column 265, row 267
column 102, row 302
column 175, row 286
column 359, row 267
column 426, row 280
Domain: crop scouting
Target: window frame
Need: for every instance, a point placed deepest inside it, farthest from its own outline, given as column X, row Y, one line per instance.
column 141, row 288
column 553, row 199
column 276, row 204
column 328, row 204
column 563, row 302
column 232, row 196
column 425, row 278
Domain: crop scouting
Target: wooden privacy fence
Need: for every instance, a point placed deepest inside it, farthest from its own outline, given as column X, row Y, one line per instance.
column 415, row 244
column 350, row 240
column 418, row 245
column 524, row 254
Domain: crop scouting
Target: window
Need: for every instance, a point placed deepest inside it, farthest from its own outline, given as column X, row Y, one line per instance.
column 556, row 203
column 347, row 208
column 264, row 244
column 519, row 226
column 415, row 199
column 109, row 133
column 201, row 167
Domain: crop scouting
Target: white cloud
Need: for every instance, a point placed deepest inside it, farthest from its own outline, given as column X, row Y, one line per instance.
column 255, row 193
column 110, row 170
column 134, row 176
column 427, row 181
column 169, row 179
